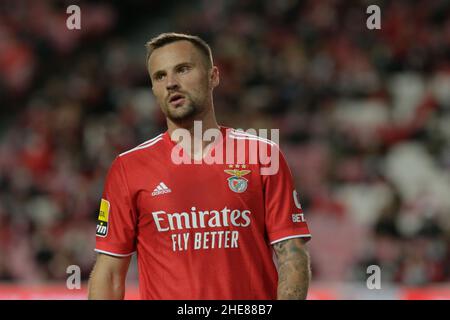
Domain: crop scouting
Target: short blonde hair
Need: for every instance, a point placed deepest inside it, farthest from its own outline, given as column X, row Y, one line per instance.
column 170, row 37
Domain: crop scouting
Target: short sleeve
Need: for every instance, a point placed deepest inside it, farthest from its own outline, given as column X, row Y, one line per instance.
column 284, row 217
column 116, row 222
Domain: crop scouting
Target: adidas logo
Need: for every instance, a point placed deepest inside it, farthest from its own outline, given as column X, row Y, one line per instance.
column 161, row 189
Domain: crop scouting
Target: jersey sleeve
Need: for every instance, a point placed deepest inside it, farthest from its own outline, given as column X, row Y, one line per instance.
column 116, row 222
column 284, row 217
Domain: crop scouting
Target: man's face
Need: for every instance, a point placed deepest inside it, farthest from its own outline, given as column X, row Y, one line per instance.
column 181, row 80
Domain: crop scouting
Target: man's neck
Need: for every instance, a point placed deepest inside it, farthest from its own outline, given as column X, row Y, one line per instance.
column 207, row 120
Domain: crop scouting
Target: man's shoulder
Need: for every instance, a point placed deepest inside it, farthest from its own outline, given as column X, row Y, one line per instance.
column 152, row 145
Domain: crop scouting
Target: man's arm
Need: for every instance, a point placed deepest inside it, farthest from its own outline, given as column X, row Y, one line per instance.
column 294, row 271
column 107, row 280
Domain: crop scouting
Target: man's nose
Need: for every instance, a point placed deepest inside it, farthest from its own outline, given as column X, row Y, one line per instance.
column 172, row 83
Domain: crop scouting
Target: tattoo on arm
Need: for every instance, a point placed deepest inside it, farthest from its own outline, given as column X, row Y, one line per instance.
column 293, row 269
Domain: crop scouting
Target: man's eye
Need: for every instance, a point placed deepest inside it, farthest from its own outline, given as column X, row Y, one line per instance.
column 183, row 69
column 159, row 77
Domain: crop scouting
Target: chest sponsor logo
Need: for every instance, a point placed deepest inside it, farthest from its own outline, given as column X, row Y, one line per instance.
column 223, row 227
column 237, row 182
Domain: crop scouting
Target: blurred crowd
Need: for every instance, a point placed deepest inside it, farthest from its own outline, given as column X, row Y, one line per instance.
column 364, row 119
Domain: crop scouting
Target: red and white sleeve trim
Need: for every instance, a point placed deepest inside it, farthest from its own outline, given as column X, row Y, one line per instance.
column 114, row 254
column 292, row 237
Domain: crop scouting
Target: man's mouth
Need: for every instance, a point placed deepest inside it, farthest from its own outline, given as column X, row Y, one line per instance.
column 176, row 99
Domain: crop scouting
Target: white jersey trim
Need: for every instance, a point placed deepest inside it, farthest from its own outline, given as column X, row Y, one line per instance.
column 144, row 145
column 149, row 140
column 292, row 237
column 243, row 135
column 114, row 254
column 251, row 138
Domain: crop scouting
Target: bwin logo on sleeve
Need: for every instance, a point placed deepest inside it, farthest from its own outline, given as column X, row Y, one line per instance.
column 102, row 221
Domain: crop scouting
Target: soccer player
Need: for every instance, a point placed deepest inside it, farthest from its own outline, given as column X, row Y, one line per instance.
column 205, row 229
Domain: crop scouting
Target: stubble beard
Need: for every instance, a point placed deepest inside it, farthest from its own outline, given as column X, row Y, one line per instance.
column 184, row 113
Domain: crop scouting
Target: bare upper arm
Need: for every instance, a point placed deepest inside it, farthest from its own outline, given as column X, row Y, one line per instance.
column 111, row 264
column 294, row 271
column 107, row 279
column 291, row 249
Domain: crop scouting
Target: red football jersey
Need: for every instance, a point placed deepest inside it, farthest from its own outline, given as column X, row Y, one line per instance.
column 200, row 231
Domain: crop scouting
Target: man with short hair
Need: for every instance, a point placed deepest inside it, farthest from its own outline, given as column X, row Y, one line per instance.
column 204, row 218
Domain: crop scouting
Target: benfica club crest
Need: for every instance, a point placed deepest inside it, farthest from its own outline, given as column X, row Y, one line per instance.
column 236, row 182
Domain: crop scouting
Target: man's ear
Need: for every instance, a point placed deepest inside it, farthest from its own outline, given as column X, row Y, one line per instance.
column 214, row 77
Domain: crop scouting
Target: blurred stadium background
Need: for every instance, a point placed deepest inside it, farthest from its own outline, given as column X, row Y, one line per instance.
column 364, row 118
